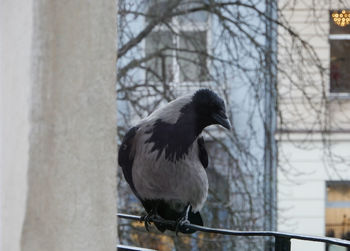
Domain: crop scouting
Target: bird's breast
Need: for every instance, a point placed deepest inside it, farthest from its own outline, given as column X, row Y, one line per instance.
column 156, row 177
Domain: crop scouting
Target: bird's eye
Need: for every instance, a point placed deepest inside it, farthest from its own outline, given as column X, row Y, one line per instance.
column 212, row 105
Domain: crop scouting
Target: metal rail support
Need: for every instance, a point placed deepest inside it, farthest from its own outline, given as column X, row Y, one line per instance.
column 282, row 244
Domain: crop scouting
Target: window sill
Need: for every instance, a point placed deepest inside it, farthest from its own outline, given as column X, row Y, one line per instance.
column 338, row 96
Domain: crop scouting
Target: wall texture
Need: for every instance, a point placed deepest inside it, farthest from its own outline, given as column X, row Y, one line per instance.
column 15, row 81
column 58, row 139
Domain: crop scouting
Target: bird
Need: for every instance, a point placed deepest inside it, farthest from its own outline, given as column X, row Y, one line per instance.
column 163, row 159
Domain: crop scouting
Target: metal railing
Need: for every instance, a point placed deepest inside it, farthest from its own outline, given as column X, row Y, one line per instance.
column 282, row 239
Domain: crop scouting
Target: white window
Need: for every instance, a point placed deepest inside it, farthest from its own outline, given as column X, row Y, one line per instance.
column 178, row 48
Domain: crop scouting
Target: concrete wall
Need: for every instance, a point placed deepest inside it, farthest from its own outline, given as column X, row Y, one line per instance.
column 58, row 125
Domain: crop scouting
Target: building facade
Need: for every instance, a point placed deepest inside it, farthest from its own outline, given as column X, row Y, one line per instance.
column 314, row 126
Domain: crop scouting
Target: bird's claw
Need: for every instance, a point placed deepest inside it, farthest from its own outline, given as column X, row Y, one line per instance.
column 147, row 219
column 183, row 220
column 180, row 224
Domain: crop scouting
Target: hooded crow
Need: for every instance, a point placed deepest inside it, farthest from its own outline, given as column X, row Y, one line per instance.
column 163, row 158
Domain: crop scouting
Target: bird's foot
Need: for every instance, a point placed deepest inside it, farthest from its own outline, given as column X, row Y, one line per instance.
column 180, row 225
column 183, row 221
column 148, row 218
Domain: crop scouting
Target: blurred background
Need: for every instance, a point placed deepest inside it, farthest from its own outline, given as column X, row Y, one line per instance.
column 283, row 69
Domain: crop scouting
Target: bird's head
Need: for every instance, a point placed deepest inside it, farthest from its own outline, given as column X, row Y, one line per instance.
column 210, row 109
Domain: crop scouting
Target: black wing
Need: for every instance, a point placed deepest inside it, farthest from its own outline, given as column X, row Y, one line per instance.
column 202, row 152
column 126, row 157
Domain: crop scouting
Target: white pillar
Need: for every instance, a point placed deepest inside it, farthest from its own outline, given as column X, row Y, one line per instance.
column 16, row 31
column 58, row 125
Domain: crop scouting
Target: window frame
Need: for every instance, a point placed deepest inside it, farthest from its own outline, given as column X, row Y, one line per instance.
column 178, row 27
column 335, row 37
column 334, row 203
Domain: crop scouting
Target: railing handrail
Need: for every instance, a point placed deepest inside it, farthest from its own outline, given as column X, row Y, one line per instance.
column 276, row 234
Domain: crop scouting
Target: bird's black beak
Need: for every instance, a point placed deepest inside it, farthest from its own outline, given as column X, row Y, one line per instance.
column 221, row 119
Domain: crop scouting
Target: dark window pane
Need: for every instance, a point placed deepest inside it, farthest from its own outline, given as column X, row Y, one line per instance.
column 192, row 56
column 340, row 65
column 158, row 48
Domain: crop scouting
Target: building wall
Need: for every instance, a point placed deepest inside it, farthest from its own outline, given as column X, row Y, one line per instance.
column 305, row 162
column 302, row 187
column 58, row 125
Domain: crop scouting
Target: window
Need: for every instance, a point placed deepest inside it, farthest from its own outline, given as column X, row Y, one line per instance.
column 339, row 51
column 192, row 65
column 338, row 211
column 177, row 54
column 160, row 64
